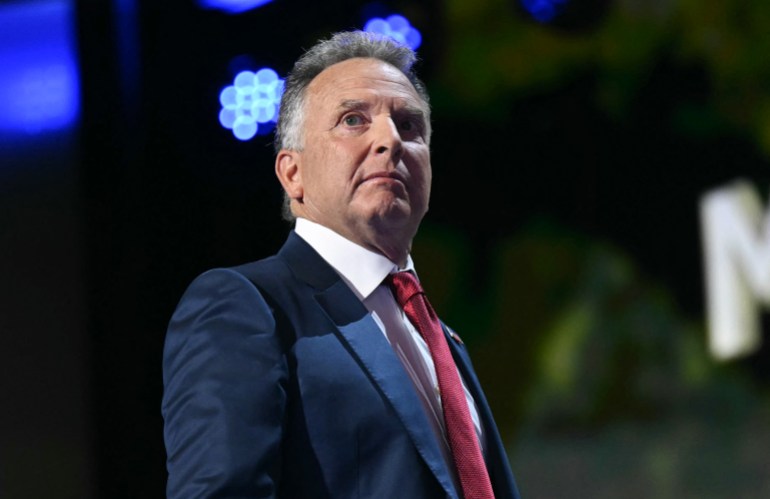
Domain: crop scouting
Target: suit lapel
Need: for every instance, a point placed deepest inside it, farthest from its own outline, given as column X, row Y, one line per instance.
column 495, row 455
column 367, row 344
column 466, row 370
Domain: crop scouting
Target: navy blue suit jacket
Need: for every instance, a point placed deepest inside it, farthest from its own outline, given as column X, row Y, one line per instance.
column 278, row 383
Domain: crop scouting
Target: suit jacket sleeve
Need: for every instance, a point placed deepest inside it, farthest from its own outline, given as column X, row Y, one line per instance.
column 224, row 374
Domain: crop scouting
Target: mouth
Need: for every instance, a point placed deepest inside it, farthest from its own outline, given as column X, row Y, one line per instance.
column 392, row 176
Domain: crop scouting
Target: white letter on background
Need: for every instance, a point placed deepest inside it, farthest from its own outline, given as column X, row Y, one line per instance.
column 736, row 245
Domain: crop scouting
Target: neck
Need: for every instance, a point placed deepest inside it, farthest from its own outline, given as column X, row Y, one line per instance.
column 390, row 244
column 393, row 242
column 397, row 255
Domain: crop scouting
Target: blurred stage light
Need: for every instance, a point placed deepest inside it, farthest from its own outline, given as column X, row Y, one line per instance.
column 250, row 104
column 396, row 27
column 568, row 16
column 232, row 6
column 39, row 84
column 543, row 10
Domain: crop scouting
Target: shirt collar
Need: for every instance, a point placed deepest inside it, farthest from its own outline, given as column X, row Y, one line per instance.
column 361, row 268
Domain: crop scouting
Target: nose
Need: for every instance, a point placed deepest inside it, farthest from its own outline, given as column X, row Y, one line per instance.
column 387, row 139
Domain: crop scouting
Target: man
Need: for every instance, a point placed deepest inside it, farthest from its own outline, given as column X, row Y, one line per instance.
column 322, row 372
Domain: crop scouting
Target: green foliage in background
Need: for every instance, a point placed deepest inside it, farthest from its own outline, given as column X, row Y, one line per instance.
column 494, row 54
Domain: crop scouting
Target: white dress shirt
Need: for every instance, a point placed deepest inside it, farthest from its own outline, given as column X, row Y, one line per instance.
column 364, row 271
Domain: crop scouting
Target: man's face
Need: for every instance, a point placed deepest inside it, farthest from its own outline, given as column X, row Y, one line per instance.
column 365, row 164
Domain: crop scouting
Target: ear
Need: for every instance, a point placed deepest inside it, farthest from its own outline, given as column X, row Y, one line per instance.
column 288, row 172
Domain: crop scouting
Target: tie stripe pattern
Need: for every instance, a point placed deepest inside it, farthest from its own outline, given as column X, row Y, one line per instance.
column 463, row 442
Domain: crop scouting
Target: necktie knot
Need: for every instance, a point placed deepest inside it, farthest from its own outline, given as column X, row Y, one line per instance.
column 404, row 286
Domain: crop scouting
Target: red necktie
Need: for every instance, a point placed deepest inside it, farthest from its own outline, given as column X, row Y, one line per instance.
column 463, row 442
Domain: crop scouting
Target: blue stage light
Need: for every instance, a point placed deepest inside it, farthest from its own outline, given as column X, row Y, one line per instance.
column 39, row 84
column 543, row 10
column 252, row 100
column 396, row 27
column 232, row 6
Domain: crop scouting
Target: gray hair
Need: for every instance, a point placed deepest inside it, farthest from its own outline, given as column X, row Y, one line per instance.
column 324, row 54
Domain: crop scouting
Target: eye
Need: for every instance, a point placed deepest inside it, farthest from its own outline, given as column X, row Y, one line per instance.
column 410, row 127
column 353, row 120
column 407, row 125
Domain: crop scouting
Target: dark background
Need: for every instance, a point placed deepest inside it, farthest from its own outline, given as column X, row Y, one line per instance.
column 540, row 186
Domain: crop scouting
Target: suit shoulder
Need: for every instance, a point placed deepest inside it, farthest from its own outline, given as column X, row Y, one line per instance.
column 272, row 277
column 217, row 283
column 257, row 272
column 270, row 274
column 264, row 269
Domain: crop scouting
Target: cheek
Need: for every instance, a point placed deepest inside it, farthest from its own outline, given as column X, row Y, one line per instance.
column 351, row 155
column 327, row 168
column 343, row 159
column 426, row 190
column 421, row 171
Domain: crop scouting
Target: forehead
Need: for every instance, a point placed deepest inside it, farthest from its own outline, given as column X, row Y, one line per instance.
column 361, row 78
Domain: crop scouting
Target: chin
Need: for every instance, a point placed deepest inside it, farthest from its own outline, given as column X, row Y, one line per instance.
column 395, row 209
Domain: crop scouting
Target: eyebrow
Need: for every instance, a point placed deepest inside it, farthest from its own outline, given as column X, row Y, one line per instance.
column 414, row 112
column 359, row 105
column 353, row 105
